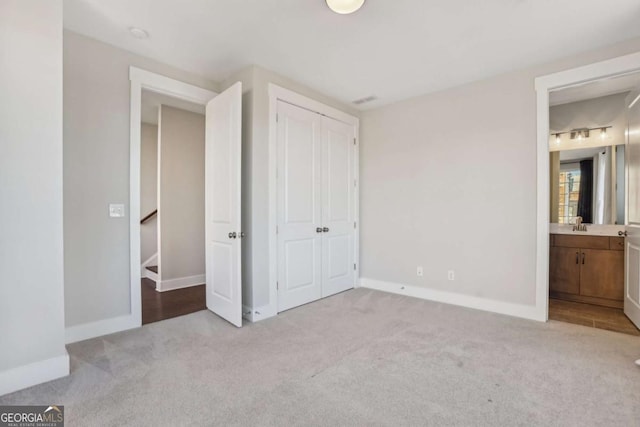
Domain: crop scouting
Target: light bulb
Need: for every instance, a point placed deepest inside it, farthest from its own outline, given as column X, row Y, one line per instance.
column 558, row 138
column 603, row 133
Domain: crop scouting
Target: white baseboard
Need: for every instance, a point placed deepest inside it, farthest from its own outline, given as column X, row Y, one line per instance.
column 148, row 274
column 247, row 313
column 34, row 373
column 181, row 282
column 258, row 314
column 102, row 327
column 517, row 310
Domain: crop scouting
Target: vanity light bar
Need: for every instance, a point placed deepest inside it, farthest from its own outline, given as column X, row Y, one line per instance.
column 581, row 133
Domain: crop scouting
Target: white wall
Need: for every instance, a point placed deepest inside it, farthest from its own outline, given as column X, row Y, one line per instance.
column 148, row 189
column 256, row 182
column 181, row 195
column 449, row 183
column 31, row 244
column 96, row 173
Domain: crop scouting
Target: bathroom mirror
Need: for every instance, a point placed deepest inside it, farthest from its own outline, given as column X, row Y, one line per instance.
column 587, row 140
column 588, row 182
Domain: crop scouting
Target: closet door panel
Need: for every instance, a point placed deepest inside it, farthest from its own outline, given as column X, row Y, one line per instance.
column 338, row 212
column 299, row 197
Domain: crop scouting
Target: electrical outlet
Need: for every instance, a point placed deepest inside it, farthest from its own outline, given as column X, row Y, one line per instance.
column 451, row 275
column 420, row 272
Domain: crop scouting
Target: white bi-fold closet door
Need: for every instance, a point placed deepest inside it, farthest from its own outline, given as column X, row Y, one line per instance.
column 315, row 205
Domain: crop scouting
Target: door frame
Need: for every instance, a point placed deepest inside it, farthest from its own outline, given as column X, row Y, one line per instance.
column 543, row 85
column 142, row 79
column 278, row 93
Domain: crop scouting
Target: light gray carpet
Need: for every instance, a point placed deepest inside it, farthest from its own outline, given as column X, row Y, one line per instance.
column 359, row 358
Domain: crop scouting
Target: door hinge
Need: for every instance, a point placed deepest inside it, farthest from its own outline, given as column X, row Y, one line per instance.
column 354, row 141
column 276, row 229
column 277, row 285
column 277, row 117
column 354, row 225
column 355, row 182
column 354, row 266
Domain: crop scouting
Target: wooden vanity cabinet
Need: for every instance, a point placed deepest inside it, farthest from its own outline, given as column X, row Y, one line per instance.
column 587, row 269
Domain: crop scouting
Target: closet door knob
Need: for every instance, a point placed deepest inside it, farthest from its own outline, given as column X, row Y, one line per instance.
column 319, row 230
column 325, row 229
column 232, row 235
column 622, row 233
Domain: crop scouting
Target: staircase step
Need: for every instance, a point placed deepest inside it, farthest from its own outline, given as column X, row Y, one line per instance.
column 153, row 268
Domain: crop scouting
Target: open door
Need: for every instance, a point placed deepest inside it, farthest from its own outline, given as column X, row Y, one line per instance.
column 222, row 198
column 632, row 246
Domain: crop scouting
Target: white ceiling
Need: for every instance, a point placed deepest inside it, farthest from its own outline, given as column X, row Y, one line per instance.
column 595, row 89
column 392, row 49
column 151, row 101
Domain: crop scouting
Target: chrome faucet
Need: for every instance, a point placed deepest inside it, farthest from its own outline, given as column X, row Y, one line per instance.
column 579, row 226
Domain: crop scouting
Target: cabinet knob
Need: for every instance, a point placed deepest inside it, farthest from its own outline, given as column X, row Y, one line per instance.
column 622, row 233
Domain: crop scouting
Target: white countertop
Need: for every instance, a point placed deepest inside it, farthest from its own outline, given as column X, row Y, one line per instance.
column 592, row 230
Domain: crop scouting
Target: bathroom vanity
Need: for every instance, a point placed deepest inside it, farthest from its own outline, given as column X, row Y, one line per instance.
column 587, row 268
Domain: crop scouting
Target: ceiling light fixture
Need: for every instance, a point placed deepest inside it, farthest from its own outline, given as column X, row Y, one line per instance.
column 138, row 33
column 344, row 7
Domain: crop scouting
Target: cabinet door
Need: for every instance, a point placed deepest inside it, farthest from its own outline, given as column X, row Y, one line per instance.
column 564, row 270
column 602, row 274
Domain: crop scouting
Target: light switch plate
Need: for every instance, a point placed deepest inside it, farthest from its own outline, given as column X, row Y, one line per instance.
column 116, row 210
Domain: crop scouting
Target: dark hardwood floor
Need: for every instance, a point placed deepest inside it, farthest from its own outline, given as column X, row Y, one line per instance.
column 158, row 306
column 611, row 319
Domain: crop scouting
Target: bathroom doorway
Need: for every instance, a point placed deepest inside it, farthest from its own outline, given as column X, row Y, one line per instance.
column 589, row 202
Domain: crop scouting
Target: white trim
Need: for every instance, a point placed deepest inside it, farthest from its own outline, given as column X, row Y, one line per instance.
column 141, row 79
column 600, row 70
column 34, row 373
column 494, row 306
column 247, row 313
column 149, row 262
column 257, row 314
column 180, row 283
column 148, row 274
column 278, row 93
column 101, row 327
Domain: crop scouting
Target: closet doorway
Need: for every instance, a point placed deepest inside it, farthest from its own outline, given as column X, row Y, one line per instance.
column 316, row 186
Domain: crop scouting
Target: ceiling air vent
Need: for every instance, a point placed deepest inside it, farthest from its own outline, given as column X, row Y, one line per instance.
column 365, row 100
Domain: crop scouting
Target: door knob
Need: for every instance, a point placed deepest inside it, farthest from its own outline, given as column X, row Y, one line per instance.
column 241, row 235
column 622, row 233
column 319, row 230
column 325, row 229
column 232, row 235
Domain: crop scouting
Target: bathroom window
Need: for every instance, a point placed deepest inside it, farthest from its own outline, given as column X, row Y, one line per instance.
column 569, row 193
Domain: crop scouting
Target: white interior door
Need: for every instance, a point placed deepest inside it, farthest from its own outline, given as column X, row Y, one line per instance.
column 222, row 198
column 632, row 248
column 299, row 182
column 338, row 184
